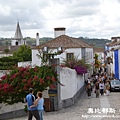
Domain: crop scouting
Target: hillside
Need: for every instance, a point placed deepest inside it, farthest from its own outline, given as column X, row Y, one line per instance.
column 32, row 41
column 95, row 41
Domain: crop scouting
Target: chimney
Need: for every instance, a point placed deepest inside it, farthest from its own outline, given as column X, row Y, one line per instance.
column 59, row 31
column 37, row 39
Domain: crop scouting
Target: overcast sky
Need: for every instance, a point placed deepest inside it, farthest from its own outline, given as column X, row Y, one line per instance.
column 87, row 18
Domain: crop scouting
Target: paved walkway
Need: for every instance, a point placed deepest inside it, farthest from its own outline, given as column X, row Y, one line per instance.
column 89, row 109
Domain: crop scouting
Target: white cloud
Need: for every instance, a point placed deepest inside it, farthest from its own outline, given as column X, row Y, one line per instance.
column 90, row 18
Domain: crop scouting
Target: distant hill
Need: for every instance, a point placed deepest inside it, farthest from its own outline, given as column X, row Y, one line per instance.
column 95, row 41
column 32, row 41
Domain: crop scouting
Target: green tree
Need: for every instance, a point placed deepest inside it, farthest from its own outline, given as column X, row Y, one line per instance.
column 97, row 63
column 6, row 50
column 24, row 53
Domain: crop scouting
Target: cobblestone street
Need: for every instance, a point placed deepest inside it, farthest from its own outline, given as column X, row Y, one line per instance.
column 80, row 109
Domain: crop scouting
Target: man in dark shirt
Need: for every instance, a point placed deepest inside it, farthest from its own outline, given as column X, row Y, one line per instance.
column 30, row 98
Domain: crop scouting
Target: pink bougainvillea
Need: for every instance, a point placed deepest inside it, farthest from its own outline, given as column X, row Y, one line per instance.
column 14, row 86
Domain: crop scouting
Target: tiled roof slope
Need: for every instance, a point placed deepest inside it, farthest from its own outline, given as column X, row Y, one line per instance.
column 98, row 50
column 113, row 43
column 65, row 42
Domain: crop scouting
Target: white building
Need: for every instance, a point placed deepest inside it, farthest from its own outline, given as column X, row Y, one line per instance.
column 71, row 47
column 113, row 56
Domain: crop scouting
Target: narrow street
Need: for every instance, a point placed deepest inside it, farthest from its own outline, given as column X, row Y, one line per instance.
column 102, row 108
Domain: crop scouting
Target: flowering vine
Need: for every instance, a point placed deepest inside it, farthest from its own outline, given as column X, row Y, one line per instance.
column 14, row 86
column 80, row 66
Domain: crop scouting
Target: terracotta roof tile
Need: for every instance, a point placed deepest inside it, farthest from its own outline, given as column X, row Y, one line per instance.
column 65, row 42
column 115, row 42
column 98, row 50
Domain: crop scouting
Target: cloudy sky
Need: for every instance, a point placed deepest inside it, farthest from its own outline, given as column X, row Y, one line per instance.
column 87, row 18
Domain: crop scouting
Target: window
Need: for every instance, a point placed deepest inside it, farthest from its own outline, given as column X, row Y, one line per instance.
column 70, row 56
column 16, row 43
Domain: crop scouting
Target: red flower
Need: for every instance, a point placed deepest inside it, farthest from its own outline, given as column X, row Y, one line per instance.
column 6, row 85
column 53, row 79
column 41, row 81
column 4, row 77
column 22, row 69
column 25, row 88
column 35, row 69
column 36, row 78
column 1, row 85
column 14, row 76
column 52, row 86
column 48, row 77
column 24, row 80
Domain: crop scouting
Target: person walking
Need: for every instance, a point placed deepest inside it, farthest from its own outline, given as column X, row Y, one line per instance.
column 97, row 89
column 30, row 99
column 88, row 89
column 107, row 87
column 39, row 102
column 101, row 85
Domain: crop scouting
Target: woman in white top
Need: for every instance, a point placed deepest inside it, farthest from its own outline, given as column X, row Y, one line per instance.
column 101, row 86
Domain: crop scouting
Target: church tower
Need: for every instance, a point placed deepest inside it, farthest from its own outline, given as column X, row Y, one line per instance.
column 18, row 38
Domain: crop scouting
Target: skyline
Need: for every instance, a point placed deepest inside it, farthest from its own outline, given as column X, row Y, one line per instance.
column 88, row 18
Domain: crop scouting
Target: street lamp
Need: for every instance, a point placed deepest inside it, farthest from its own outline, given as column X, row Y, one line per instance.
column 45, row 50
column 48, row 55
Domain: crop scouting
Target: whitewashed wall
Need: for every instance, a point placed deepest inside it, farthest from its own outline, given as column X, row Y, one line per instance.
column 3, row 72
column 5, row 55
column 62, row 56
column 24, row 64
column 72, row 82
column 35, row 60
column 89, row 55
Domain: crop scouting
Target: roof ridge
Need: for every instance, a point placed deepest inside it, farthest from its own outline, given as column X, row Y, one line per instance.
column 66, row 42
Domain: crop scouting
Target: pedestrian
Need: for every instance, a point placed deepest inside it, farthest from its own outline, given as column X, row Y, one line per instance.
column 92, row 84
column 30, row 99
column 101, row 85
column 88, row 89
column 107, row 88
column 97, row 89
column 39, row 102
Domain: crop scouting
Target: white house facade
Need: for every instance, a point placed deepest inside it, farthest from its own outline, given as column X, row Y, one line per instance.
column 70, row 47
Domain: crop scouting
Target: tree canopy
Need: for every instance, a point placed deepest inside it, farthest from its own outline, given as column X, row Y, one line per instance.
column 24, row 53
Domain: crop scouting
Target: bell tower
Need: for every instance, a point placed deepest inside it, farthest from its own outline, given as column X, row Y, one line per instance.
column 18, row 38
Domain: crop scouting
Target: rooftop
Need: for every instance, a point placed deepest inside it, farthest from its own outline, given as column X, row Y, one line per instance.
column 65, row 42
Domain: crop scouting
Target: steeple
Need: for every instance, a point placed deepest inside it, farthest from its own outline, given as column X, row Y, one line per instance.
column 18, row 33
column 18, row 38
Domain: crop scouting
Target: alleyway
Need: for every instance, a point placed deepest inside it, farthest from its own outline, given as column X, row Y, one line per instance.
column 108, row 104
